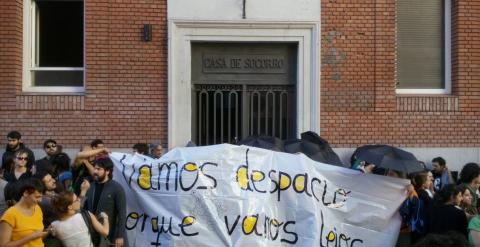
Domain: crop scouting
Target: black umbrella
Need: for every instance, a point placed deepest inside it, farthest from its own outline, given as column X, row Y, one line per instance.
column 265, row 142
column 353, row 158
column 312, row 150
column 366, row 147
column 315, row 138
column 385, row 156
column 324, row 146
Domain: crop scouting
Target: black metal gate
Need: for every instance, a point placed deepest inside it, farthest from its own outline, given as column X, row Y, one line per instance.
column 230, row 103
column 228, row 113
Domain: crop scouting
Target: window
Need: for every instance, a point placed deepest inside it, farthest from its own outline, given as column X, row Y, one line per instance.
column 53, row 46
column 423, row 47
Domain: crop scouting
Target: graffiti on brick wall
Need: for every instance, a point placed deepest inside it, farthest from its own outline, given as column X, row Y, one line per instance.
column 334, row 56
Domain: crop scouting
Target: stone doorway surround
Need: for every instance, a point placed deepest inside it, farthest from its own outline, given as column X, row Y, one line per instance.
column 183, row 32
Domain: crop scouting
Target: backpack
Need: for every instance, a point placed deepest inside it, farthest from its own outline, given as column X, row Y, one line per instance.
column 97, row 239
column 412, row 211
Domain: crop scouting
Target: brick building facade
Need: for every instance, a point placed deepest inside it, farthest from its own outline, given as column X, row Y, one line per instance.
column 126, row 86
column 125, row 98
column 358, row 92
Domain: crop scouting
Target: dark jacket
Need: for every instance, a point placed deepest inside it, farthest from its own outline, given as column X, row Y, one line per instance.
column 49, row 213
column 44, row 164
column 444, row 218
column 10, row 176
column 11, row 153
column 12, row 187
column 112, row 202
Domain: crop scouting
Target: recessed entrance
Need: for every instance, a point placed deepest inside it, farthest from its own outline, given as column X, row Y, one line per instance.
column 186, row 33
column 243, row 89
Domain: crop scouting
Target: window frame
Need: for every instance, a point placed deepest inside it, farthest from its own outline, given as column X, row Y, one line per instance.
column 30, row 42
column 447, row 55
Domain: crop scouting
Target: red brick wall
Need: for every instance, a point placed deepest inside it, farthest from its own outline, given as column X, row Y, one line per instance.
column 126, row 79
column 10, row 54
column 358, row 102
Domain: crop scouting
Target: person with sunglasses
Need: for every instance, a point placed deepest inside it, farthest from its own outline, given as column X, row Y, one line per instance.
column 51, row 149
column 20, row 169
column 14, row 144
column 20, row 172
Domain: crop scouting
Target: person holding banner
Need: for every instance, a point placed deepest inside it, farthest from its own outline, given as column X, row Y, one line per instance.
column 82, row 165
column 106, row 195
column 72, row 229
column 412, row 227
column 422, row 182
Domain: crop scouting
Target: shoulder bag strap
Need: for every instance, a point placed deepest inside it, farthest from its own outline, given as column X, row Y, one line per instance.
column 88, row 220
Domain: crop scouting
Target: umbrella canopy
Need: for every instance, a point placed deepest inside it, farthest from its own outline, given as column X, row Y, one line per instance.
column 353, row 158
column 385, row 156
column 313, row 151
column 265, row 142
column 315, row 138
column 324, row 146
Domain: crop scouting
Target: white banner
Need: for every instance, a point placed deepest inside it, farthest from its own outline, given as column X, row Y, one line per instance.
column 226, row 195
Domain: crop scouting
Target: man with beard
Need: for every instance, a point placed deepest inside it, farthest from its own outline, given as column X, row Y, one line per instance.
column 106, row 195
column 49, row 213
column 14, row 144
column 50, row 147
column 82, row 167
column 441, row 175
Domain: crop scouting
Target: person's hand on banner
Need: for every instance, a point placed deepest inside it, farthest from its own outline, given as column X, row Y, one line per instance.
column 410, row 190
column 119, row 242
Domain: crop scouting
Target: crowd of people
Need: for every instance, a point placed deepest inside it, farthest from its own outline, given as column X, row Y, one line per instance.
column 57, row 201
column 440, row 209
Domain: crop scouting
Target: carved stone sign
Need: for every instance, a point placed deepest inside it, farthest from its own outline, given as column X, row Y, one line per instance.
column 245, row 63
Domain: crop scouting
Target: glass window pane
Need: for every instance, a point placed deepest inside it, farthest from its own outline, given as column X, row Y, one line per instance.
column 60, row 34
column 57, row 78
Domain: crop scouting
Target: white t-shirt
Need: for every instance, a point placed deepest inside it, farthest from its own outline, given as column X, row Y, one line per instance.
column 73, row 232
